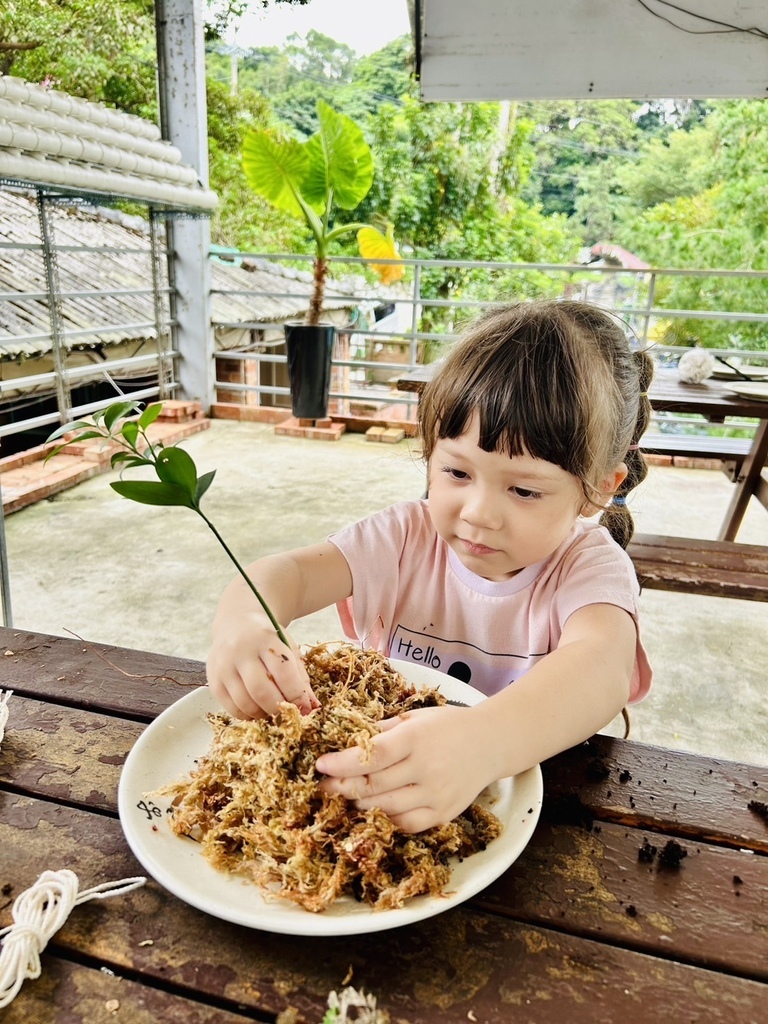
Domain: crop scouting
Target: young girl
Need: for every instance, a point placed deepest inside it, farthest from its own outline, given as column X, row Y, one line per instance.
column 529, row 428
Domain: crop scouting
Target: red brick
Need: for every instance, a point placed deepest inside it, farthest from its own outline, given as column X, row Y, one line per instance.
column 252, row 414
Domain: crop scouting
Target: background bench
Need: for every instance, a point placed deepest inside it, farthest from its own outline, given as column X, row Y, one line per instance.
column 711, row 567
column 698, row 446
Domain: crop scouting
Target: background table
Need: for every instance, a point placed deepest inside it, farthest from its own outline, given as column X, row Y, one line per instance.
column 580, row 929
column 712, row 400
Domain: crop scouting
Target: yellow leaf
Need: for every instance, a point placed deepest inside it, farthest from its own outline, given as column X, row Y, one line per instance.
column 374, row 244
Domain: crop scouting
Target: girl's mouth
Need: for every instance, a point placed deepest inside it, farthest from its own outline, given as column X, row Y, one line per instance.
column 477, row 549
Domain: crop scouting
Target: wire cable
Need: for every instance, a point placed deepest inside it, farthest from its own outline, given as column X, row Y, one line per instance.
column 726, row 27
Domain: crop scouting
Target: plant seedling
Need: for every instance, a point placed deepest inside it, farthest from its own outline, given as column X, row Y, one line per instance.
column 178, row 483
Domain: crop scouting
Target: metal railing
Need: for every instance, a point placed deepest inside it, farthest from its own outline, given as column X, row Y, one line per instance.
column 429, row 322
column 51, row 324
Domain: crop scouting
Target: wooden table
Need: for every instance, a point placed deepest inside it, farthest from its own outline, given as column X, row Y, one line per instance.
column 580, row 929
column 711, row 400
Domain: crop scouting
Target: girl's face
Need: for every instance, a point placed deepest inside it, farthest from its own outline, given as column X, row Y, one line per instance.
column 500, row 514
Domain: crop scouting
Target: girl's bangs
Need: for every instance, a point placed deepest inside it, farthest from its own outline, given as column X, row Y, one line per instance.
column 519, row 420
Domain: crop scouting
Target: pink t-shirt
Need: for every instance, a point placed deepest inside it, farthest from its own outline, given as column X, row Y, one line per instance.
column 415, row 601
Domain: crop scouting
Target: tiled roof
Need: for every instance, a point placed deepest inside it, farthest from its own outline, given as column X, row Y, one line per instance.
column 617, row 254
column 22, row 270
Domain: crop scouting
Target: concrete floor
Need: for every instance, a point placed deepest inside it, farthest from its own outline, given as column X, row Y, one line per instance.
column 91, row 563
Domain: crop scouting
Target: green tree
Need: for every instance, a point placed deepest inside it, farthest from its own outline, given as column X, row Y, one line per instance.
column 449, row 178
column 97, row 49
column 571, row 137
column 722, row 225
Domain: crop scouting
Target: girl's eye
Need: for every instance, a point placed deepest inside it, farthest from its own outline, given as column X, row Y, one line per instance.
column 455, row 474
column 524, row 494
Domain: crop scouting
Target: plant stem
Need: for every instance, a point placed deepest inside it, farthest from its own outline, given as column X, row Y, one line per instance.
column 246, row 577
column 318, row 291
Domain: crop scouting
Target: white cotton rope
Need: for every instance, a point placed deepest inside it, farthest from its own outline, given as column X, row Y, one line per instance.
column 38, row 913
column 4, row 712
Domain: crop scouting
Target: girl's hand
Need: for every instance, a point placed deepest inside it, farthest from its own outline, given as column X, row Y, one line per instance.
column 251, row 671
column 427, row 766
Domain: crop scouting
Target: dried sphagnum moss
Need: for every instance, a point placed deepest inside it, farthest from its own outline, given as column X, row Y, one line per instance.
column 253, row 801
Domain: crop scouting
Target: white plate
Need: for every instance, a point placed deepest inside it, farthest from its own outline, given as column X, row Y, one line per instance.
column 745, row 390
column 723, row 373
column 167, row 749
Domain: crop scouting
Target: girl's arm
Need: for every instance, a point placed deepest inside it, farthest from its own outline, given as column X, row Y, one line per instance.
column 568, row 696
column 429, row 765
column 250, row 671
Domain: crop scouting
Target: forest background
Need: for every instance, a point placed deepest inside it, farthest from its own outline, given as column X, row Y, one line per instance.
column 679, row 183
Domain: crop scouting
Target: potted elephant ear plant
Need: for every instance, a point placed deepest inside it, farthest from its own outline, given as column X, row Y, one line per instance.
column 331, row 169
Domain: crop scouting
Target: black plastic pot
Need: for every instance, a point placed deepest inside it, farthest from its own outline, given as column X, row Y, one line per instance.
column 309, row 348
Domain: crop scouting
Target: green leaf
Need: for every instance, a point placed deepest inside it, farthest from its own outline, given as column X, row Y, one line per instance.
column 117, row 411
column 86, row 436
column 175, row 466
column 129, row 459
column 203, row 484
column 148, row 492
column 66, row 428
column 150, row 414
column 275, row 169
column 340, row 160
column 130, row 432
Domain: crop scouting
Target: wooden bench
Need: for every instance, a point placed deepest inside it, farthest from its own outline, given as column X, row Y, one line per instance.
column 711, row 567
column 733, row 450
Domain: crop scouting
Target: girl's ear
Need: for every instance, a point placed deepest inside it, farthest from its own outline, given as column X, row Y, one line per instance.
column 605, row 491
column 613, row 481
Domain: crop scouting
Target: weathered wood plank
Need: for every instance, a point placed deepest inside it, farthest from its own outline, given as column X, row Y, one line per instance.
column 76, row 756
column 636, row 784
column 614, row 883
column 97, row 676
column 705, row 567
column 65, row 753
column 82, row 995
column 546, row 886
column 460, row 965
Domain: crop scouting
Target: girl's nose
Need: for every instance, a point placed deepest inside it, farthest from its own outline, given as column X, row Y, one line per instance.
column 480, row 509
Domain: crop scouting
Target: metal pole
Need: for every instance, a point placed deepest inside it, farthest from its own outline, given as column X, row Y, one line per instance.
column 5, row 581
column 165, row 366
column 181, row 91
column 649, row 306
column 58, row 346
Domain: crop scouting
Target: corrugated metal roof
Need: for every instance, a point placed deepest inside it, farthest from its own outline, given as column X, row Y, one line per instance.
column 22, row 270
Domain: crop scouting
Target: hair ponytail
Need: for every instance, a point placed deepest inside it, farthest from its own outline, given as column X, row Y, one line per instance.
column 617, row 518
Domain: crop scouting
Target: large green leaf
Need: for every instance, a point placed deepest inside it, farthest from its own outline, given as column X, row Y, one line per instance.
column 339, row 159
column 148, row 492
column 175, row 466
column 276, row 169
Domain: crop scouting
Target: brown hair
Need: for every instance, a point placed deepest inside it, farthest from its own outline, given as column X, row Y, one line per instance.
column 555, row 380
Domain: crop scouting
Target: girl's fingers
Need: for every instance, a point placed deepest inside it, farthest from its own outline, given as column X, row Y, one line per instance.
column 405, row 806
column 288, row 677
column 354, row 762
column 417, row 820
column 235, row 697
column 362, row 787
